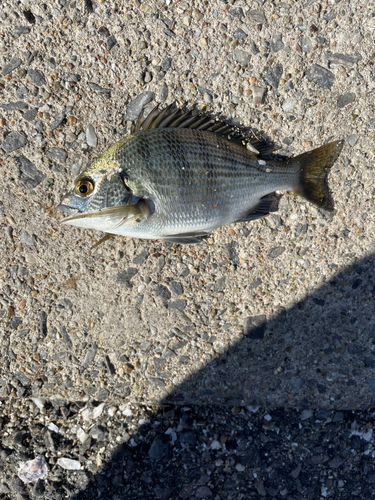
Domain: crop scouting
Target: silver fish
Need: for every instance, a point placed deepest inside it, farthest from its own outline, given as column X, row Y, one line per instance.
column 180, row 176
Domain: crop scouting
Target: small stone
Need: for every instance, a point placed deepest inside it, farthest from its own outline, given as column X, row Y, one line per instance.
column 14, row 141
column 11, row 65
column 207, row 98
column 30, row 177
column 38, row 489
column 15, row 106
column 239, row 34
column 177, row 305
column 242, row 57
column 259, row 485
column 220, row 284
column 272, row 77
column 276, row 252
column 30, row 115
column 98, row 88
column 98, row 410
column 134, row 108
column 306, row 45
column 90, row 356
column 306, row 414
column 162, row 292
column 297, row 383
column 159, row 447
column 215, row 445
column 321, row 76
column 289, row 105
column 343, row 59
column 57, row 121
column 32, row 470
column 69, row 464
column 203, row 42
column 164, row 92
column 58, row 154
column 91, row 138
column 203, row 492
column 125, row 276
column 352, row 140
column 82, row 435
column 277, row 43
column 166, row 64
column 255, row 326
column 76, row 167
column 257, row 16
column 111, row 42
column 22, row 92
column 40, row 402
column 345, row 99
column 240, row 468
column 26, row 238
column 21, row 30
column 176, row 287
column 37, row 77
column 371, row 123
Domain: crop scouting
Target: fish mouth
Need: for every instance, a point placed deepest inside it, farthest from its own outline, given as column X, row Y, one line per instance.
column 68, row 210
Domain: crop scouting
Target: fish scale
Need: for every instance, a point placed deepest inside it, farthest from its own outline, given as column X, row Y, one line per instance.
column 178, row 177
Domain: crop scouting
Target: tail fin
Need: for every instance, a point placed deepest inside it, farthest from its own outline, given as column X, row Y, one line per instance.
column 314, row 168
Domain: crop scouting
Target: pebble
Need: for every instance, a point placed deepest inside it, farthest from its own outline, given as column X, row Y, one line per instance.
column 257, row 16
column 242, row 57
column 239, row 34
column 272, row 77
column 37, row 77
column 289, row 105
column 76, row 167
column 82, row 435
column 277, row 43
column 166, row 64
column 14, row 141
column 111, row 42
column 91, row 137
column 306, row 45
column 30, row 115
column 58, row 154
column 98, row 88
column 32, row 470
column 30, row 176
column 22, row 92
column 21, row 30
column 69, row 464
column 344, row 59
column 164, row 92
column 255, row 326
column 352, row 140
column 26, row 238
column 11, row 65
column 98, row 410
column 345, row 99
column 276, row 252
column 159, row 447
column 306, row 414
column 240, row 468
column 15, row 106
column 134, row 108
column 321, row 76
column 57, row 121
column 215, row 445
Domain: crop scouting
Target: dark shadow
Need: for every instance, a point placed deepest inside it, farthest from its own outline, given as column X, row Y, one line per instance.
column 316, row 357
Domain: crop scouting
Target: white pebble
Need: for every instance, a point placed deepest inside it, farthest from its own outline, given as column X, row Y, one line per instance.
column 82, row 435
column 40, row 402
column 289, row 105
column 98, row 410
column 112, row 410
column 215, row 445
column 53, row 427
column 69, row 464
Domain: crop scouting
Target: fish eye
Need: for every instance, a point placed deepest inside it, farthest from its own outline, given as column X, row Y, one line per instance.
column 84, row 187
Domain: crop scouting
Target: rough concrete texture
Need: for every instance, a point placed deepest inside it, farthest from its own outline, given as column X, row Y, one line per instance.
column 276, row 312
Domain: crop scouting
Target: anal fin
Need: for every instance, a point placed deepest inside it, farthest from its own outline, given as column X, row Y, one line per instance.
column 267, row 204
column 186, row 238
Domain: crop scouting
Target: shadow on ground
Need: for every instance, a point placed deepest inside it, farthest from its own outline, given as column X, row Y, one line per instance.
column 310, row 368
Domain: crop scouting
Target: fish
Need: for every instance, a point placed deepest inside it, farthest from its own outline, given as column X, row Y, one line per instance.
column 179, row 176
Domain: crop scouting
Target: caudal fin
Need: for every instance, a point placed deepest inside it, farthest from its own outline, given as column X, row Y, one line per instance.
column 314, row 168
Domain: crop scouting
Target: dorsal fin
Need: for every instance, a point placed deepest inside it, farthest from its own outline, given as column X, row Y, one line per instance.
column 172, row 116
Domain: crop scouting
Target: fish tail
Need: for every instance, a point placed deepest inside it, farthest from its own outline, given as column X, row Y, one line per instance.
column 314, row 167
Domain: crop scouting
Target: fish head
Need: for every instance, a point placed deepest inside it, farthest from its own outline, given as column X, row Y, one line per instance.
column 100, row 186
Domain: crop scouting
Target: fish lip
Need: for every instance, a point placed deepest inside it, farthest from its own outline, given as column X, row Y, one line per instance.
column 67, row 209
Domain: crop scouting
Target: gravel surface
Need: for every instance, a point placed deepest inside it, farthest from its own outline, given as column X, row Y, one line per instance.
column 242, row 367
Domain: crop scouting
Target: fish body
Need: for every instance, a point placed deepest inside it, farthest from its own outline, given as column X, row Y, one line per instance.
column 180, row 183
